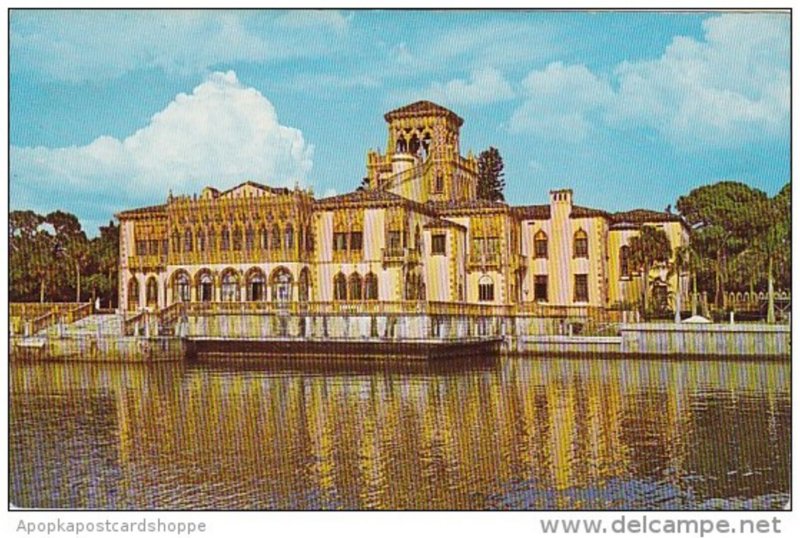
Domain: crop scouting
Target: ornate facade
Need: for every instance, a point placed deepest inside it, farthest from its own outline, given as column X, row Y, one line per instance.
column 414, row 233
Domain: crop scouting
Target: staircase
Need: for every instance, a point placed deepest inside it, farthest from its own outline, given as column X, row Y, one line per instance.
column 104, row 324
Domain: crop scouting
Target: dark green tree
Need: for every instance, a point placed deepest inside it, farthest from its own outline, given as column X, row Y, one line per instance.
column 491, row 182
column 71, row 246
column 648, row 248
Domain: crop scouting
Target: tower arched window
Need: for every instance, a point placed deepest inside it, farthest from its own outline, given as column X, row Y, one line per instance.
column 580, row 243
column 212, row 239
column 540, row 245
column 276, row 237
column 249, row 239
column 237, row 238
column 176, row 241
column 225, row 239
column 264, row 234
column 201, row 240
column 288, row 239
column 187, row 240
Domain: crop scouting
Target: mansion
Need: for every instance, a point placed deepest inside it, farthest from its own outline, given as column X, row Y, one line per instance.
column 413, row 233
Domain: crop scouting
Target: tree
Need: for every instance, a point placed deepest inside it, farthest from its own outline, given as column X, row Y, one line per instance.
column 490, row 175
column 648, row 248
column 687, row 259
column 71, row 243
column 721, row 217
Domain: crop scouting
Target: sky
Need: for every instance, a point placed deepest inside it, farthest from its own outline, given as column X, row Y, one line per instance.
column 111, row 110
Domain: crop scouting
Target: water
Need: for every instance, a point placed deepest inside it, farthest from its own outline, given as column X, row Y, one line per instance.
column 511, row 433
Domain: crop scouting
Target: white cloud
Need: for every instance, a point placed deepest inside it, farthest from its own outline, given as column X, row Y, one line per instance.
column 558, row 101
column 727, row 90
column 81, row 45
column 221, row 134
column 484, row 86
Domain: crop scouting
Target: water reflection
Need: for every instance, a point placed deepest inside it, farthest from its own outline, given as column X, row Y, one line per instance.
column 509, row 433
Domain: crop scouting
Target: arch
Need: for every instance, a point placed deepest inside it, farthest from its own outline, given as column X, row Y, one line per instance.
column 580, row 244
column 355, row 287
column 204, row 281
column 151, row 292
column 413, row 145
column 249, row 239
column 401, row 146
column 187, row 240
column 485, row 288
column 309, row 239
column 133, row 293
column 540, row 244
column 201, row 240
column 256, row 282
column 280, row 281
column 304, row 285
column 371, row 287
column 229, row 286
column 181, row 286
column 288, row 238
column 340, row 287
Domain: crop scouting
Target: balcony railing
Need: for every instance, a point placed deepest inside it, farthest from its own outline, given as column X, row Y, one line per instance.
column 491, row 259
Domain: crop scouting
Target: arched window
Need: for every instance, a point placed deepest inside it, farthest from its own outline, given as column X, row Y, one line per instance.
column 580, row 242
column 187, row 240
column 176, row 241
column 485, row 289
column 237, row 238
column 212, row 239
column 182, row 291
column 205, row 287
column 417, row 239
column 256, row 285
column 201, row 241
column 133, row 294
column 540, row 245
column 288, row 239
column 371, row 287
column 230, row 287
column 411, row 287
column 340, row 287
column 225, row 239
column 624, row 261
column 281, row 283
column 309, row 239
column 438, row 184
column 276, row 237
column 264, row 237
column 355, row 287
column 401, row 146
column 303, row 285
column 152, row 291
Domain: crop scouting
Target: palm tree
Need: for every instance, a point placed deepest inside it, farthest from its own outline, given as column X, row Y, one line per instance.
column 686, row 259
column 648, row 248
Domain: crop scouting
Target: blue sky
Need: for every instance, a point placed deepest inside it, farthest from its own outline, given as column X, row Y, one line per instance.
column 112, row 109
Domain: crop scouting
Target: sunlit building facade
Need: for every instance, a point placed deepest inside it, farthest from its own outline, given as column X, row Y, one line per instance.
column 414, row 233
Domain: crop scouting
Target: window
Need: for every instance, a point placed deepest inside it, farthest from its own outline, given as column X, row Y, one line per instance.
column 230, row 288
column 581, row 288
column 212, row 239
column 153, row 247
column 187, row 240
column 540, row 288
column 624, row 262
column 438, row 185
column 289, row 237
column 477, row 247
column 371, row 287
column 355, row 287
column 176, row 242
column 276, row 237
column 225, row 240
column 141, row 248
column 340, row 287
column 237, row 239
column 540, row 245
column 152, row 292
column 580, row 243
column 339, row 241
column 485, row 289
column 492, row 246
column 438, row 244
column 182, row 288
column 264, row 238
column 256, row 285
column 206, row 288
column 201, row 241
column 249, row 239
column 395, row 240
column 356, row 240
column 303, row 286
column 164, row 247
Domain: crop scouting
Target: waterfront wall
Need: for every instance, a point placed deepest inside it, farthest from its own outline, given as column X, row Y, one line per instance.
column 108, row 348
column 713, row 339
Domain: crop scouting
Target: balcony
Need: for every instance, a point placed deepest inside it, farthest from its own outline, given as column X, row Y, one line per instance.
column 484, row 259
column 147, row 261
column 400, row 256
